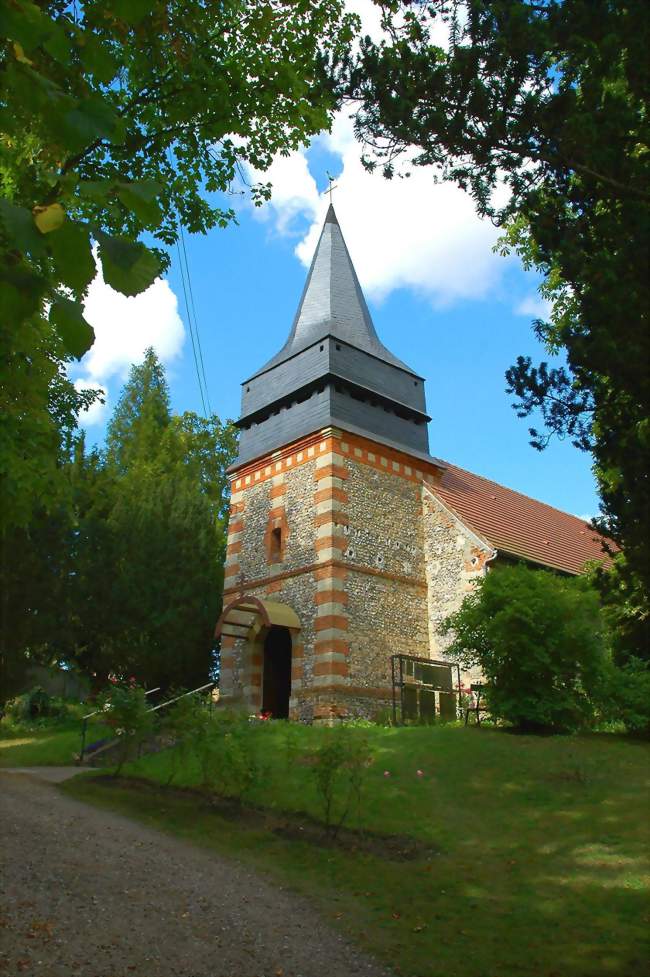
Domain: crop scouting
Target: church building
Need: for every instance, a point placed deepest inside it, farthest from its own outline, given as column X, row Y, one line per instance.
column 348, row 542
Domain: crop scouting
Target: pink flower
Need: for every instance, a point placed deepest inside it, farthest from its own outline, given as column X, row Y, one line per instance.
column 420, row 773
column 386, row 773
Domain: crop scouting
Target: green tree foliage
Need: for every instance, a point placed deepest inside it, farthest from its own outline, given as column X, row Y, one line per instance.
column 38, row 412
column 549, row 98
column 625, row 696
column 36, row 499
column 141, row 417
column 128, row 578
column 540, row 642
column 118, row 118
column 166, row 494
column 128, row 713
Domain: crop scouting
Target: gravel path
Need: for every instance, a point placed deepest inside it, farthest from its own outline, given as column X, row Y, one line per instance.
column 88, row 893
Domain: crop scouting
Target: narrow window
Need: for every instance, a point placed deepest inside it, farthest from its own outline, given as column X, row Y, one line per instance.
column 276, row 545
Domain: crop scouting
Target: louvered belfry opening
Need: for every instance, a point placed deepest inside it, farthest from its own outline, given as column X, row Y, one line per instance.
column 333, row 369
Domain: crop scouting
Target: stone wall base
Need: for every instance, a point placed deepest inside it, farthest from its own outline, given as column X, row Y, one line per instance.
column 327, row 705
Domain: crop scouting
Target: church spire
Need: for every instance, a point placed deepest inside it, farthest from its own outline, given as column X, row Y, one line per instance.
column 332, row 371
column 332, row 303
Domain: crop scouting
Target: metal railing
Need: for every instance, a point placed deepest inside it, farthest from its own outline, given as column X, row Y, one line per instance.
column 183, row 695
column 84, row 724
column 162, row 705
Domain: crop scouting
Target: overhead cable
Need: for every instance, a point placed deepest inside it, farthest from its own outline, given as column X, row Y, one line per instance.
column 196, row 321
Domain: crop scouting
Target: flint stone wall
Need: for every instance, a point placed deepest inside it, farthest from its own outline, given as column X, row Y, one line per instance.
column 387, row 614
column 403, row 564
column 454, row 559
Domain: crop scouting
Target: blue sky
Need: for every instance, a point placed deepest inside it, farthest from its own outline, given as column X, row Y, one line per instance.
column 440, row 298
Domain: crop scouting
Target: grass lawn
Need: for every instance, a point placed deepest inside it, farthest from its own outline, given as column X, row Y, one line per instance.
column 47, row 747
column 540, row 864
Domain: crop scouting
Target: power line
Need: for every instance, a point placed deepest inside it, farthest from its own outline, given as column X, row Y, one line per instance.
column 189, row 322
column 190, row 311
column 196, row 322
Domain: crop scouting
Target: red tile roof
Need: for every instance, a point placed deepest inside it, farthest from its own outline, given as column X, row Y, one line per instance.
column 515, row 524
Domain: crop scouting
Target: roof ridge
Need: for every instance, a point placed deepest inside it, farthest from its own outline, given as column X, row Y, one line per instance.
column 530, row 498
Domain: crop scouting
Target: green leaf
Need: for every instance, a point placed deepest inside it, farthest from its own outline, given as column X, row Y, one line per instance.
column 92, row 118
column 20, row 228
column 26, row 24
column 128, row 266
column 72, row 253
column 95, row 190
column 98, row 60
column 140, row 197
column 131, row 11
column 76, row 334
column 59, row 45
column 21, row 292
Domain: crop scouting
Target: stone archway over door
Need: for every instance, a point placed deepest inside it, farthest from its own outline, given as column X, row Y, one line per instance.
column 243, row 628
column 276, row 672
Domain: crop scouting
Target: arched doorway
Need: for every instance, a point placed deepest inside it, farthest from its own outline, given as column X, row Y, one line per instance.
column 276, row 679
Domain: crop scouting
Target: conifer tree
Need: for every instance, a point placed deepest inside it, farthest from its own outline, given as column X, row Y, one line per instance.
column 166, row 526
column 141, row 415
column 126, row 577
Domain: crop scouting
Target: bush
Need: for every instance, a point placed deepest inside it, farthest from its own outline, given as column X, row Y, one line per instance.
column 37, row 709
column 339, row 766
column 127, row 711
column 224, row 744
column 625, row 696
column 539, row 640
column 185, row 723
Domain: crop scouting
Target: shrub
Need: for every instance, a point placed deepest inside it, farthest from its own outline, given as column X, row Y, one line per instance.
column 185, row 724
column 37, row 709
column 20, row 710
column 339, row 765
column 226, row 750
column 292, row 743
column 127, row 711
column 539, row 640
column 625, row 696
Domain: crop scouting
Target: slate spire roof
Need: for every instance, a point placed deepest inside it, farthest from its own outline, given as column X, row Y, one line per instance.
column 332, row 303
column 333, row 371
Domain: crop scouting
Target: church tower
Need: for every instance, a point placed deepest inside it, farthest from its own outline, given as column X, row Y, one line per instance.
column 325, row 573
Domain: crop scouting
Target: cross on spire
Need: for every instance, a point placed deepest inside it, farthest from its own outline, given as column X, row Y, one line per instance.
column 331, row 187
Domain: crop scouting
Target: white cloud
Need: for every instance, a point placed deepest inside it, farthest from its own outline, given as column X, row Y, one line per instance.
column 534, row 306
column 97, row 412
column 403, row 233
column 295, row 193
column 370, row 15
column 408, row 232
column 124, row 328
